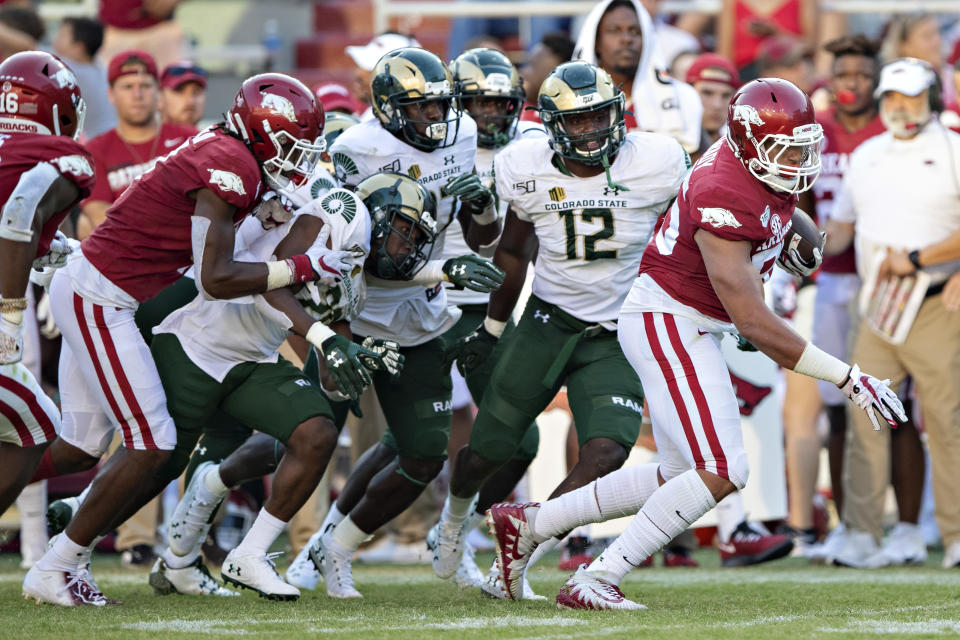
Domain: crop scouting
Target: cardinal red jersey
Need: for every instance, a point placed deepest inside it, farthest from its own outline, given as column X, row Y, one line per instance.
column 20, row 152
column 720, row 197
column 840, row 143
column 119, row 163
column 145, row 242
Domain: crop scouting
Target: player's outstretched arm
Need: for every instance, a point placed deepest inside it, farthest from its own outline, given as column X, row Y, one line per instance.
column 740, row 290
column 220, row 276
column 839, row 236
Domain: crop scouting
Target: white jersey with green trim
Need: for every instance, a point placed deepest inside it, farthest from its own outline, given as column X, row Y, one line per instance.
column 217, row 335
column 591, row 235
column 402, row 311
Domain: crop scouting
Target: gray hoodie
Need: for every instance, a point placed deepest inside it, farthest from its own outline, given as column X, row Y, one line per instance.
column 659, row 103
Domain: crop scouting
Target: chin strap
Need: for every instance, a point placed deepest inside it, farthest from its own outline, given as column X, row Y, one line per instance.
column 606, row 169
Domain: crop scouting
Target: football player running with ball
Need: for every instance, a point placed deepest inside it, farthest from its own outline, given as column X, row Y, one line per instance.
column 701, row 276
column 584, row 199
column 419, row 131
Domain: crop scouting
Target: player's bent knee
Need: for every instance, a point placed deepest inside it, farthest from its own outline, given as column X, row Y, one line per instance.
column 419, row 471
column 313, row 438
column 738, row 470
column 604, row 454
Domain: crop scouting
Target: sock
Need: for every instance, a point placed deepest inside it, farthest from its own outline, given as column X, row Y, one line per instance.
column 542, row 549
column 473, row 520
column 179, row 562
column 84, row 558
column 667, row 513
column 32, row 504
column 615, row 495
column 347, row 535
column 455, row 509
column 334, row 517
column 64, row 555
column 262, row 534
column 213, row 484
column 730, row 514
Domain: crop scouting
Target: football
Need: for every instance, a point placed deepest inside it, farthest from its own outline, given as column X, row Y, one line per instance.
column 802, row 250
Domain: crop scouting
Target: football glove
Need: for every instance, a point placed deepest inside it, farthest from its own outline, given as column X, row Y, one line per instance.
column 329, row 265
column 791, row 260
column 11, row 337
column 474, row 273
column 345, row 362
column 472, row 350
column 468, row 188
column 390, row 359
column 60, row 247
column 873, row 396
column 745, row 345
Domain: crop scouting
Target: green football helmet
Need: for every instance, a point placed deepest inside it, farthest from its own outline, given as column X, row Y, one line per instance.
column 336, row 124
column 409, row 86
column 404, row 225
column 483, row 76
column 571, row 94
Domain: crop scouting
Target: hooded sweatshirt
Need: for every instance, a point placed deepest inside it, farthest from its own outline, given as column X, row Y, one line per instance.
column 659, row 103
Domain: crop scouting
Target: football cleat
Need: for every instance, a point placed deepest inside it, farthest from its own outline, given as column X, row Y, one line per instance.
column 447, row 541
column 748, row 546
column 192, row 580
column 334, row 565
column 514, row 543
column 257, row 573
column 189, row 523
column 575, row 553
column 60, row 513
column 493, row 586
column 302, row 573
column 64, row 588
column 676, row 557
column 584, row 590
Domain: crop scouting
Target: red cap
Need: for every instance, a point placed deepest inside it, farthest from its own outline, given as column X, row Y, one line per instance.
column 336, row 96
column 180, row 73
column 714, row 68
column 131, row 61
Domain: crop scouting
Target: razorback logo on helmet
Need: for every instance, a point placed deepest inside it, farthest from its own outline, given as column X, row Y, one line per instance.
column 75, row 164
column 227, row 181
column 747, row 115
column 717, row 217
column 280, row 106
column 65, row 78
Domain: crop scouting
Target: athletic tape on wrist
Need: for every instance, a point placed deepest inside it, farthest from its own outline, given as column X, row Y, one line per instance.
column 318, row 333
column 817, row 363
column 494, row 327
column 487, row 216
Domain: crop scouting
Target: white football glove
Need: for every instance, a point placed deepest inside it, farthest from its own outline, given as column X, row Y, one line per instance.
column 60, row 247
column 791, row 261
column 11, row 337
column 389, row 352
column 873, row 396
column 330, row 266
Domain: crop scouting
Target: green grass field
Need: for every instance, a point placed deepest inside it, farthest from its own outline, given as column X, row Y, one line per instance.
column 785, row 599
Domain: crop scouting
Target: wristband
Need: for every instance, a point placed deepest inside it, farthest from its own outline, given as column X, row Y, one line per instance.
column 12, row 304
column 487, row 216
column 914, row 258
column 817, row 363
column 494, row 327
column 301, row 268
column 318, row 333
column 279, row 274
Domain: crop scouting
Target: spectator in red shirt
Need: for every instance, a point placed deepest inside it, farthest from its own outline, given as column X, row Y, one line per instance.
column 141, row 24
column 131, row 149
column 184, row 93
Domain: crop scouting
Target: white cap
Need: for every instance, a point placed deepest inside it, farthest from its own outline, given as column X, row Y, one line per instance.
column 907, row 76
column 367, row 56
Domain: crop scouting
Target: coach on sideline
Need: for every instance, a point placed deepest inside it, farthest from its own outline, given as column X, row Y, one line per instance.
column 902, row 190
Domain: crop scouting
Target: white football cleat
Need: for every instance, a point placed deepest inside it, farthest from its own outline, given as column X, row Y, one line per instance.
column 190, row 521
column 334, row 566
column 904, row 545
column 448, row 544
column 64, row 588
column 302, row 573
column 493, row 586
column 192, row 580
column 257, row 573
column 467, row 574
column 584, row 590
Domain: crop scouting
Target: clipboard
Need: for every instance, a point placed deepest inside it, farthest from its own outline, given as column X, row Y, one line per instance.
column 890, row 305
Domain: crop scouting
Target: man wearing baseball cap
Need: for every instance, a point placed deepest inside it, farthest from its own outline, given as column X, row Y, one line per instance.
column 366, row 57
column 715, row 79
column 337, row 98
column 184, row 86
column 900, row 203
